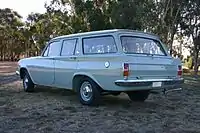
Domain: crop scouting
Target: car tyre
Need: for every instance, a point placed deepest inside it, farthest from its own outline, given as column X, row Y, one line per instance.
column 28, row 84
column 138, row 96
column 88, row 92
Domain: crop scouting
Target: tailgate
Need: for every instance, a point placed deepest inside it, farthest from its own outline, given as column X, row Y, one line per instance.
column 149, row 67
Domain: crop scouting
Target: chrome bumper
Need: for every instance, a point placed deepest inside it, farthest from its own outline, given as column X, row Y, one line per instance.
column 148, row 82
column 17, row 73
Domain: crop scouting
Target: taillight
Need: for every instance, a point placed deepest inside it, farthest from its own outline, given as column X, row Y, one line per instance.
column 179, row 70
column 126, row 70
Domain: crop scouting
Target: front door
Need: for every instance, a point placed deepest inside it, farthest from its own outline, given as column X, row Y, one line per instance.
column 43, row 69
column 65, row 64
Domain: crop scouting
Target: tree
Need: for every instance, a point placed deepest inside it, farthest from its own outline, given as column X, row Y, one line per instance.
column 9, row 33
column 190, row 26
column 162, row 17
column 168, row 16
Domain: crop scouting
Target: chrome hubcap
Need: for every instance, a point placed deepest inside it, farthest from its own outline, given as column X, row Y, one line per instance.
column 86, row 91
column 25, row 82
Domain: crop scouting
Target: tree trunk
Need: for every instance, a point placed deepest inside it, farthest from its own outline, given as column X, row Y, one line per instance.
column 12, row 56
column 196, row 41
column 172, row 34
column 27, row 49
column 1, row 54
column 171, row 47
column 196, row 64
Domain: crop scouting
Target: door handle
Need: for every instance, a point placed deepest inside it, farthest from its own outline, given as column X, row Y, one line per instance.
column 51, row 58
column 72, row 58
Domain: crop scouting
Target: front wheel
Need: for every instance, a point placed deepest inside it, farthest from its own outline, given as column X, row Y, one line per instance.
column 139, row 96
column 88, row 92
column 28, row 83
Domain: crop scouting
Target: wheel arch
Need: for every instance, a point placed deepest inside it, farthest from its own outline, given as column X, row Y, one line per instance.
column 78, row 76
column 22, row 71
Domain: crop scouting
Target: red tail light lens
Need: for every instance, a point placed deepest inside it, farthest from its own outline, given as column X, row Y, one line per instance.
column 179, row 70
column 126, row 70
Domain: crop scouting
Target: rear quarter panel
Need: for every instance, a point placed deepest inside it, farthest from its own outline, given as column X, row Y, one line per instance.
column 95, row 67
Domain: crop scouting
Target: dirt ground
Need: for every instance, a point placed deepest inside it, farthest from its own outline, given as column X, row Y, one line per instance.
column 59, row 111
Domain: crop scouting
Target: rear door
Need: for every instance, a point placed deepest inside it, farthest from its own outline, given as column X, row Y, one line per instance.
column 147, row 58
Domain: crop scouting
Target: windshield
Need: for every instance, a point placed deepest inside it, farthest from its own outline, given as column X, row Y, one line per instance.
column 139, row 45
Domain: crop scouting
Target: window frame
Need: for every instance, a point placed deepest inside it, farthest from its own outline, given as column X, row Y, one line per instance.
column 46, row 47
column 161, row 46
column 98, row 37
column 76, row 39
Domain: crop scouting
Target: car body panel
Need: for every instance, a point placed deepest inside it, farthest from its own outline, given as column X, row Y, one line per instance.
column 65, row 67
column 104, row 69
column 41, row 69
column 151, row 67
column 98, row 69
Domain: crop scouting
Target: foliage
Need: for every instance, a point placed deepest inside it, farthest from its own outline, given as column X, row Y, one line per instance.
column 189, row 62
column 165, row 18
column 10, row 33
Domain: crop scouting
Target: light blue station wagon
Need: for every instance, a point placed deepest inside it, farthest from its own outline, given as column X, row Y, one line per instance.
column 104, row 62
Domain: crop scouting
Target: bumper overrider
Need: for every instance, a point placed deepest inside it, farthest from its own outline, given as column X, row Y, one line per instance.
column 17, row 73
column 166, row 84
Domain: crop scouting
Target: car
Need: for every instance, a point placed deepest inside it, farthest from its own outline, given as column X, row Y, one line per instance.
column 104, row 62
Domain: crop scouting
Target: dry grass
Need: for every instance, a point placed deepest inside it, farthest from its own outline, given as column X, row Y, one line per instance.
column 51, row 110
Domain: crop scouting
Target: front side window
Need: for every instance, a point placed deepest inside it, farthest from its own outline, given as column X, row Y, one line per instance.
column 139, row 45
column 99, row 45
column 54, row 48
column 68, row 47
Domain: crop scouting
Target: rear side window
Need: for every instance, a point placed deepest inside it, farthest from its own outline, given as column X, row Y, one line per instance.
column 68, row 47
column 139, row 45
column 54, row 48
column 99, row 45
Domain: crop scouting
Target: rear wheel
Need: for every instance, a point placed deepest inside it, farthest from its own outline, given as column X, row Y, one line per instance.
column 139, row 96
column 27, row 83
column 88, row 92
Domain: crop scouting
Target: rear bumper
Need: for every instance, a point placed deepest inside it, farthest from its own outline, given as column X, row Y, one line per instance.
column 131, row 85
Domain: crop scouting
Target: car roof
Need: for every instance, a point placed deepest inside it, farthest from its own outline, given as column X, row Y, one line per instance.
column 106, row 31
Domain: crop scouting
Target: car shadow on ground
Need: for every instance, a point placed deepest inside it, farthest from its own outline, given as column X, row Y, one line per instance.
column 54, row 91
column 110, row 101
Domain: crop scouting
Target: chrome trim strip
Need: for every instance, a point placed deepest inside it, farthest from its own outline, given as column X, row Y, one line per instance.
column 147, row 80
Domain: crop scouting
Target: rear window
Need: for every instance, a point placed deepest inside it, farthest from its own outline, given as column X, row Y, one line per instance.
column 99, row 45
column 139, row 45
